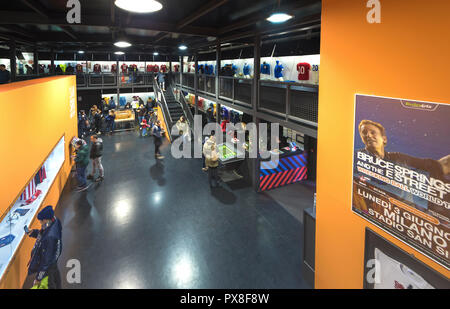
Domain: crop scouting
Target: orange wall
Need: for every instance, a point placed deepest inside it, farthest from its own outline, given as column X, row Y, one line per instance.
column 406, row 56
column 34, row 115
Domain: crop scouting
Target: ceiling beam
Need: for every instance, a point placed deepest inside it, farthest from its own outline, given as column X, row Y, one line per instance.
column 303, row 23
column 18, row 30
column 205, row 9
column 36, row 6
column 15, row 17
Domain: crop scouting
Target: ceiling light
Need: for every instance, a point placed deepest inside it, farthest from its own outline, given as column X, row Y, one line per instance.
column 182, row 47
column 119, row 53
column 139, row 6
column 122, row 44
column 81, row 52
column 155, row 54
column 278, row 17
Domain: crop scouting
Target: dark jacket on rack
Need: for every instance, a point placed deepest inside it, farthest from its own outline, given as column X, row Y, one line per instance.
column 97, row 149
column 82, row 158
column 46, row 250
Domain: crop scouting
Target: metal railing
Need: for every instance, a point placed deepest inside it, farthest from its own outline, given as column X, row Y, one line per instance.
column 288, row 100
column 163, row 104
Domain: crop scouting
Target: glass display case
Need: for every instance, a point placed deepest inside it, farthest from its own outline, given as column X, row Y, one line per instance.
column 24, row 209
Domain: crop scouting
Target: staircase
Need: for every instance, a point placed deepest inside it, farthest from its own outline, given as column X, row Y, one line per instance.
column 175, row 109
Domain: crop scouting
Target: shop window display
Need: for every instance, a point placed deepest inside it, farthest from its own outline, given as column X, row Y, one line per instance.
column 22, row 212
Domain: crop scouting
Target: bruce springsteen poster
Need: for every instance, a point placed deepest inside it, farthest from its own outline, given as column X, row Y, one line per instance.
column 401, row 171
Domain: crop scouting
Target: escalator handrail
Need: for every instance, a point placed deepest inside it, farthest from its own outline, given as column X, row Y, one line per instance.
column 164, row 108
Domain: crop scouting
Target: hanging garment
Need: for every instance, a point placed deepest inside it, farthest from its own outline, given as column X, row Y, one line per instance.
column 278, row 71
column 246, row 69
column 29, row 191
column 303, row 69
column 265, row 68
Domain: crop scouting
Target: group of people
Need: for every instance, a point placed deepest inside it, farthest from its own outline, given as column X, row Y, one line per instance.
column 82, row 158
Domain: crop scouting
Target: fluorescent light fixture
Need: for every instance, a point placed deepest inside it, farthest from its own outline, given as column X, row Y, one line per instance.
column 119, row 53
column 81, row 52
column 139, row 6
column 155, row 54
column 278, row 18
column 182, row 47
column 122, row 44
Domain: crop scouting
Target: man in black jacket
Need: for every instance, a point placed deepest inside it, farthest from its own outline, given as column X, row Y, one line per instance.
column 47, row 249
column 96, row 157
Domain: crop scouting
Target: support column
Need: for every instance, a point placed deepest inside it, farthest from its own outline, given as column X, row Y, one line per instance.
column 118, row 81
column 255, row 103
column 12, row 59
column 52, row 62
column 181, row 71
column 218, row 55
column 36, row 61
column 196, row 82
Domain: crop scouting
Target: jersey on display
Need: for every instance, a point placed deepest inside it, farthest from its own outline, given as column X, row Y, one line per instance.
column 114, row 68
column 164, row 68
column 124, row 68
column 40, row 176
column 278, row 72
column 265, row 68
column 79, row 68
column 177, row 67
column 97, row 68
column 395, row 275
column 29, row 191
column 156, row 68
column 303, row 69
column 4, row 241
column 246, row 69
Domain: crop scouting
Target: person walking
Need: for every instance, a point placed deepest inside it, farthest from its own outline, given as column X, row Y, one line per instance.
column 183, row 130
column 82, row 161
column 161, row 80
column 212, row 161
column 5, row 75
column 46, row 250
column 96, row 158
column 158, row 134
column 110, row 121
column 98, row 122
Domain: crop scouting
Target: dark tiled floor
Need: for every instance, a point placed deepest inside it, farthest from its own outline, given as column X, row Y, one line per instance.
column 151, row 225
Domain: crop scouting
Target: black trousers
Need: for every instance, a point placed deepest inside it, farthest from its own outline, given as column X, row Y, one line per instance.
column 213, row 176
column 54, row 277
column 158, row 143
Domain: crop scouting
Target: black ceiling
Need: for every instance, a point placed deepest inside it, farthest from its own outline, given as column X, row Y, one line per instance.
column 42, row 24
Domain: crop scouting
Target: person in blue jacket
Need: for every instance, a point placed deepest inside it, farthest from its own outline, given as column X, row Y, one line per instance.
column 47, row 249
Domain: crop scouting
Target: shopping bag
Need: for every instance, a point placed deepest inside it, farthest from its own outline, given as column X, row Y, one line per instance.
column 42, row 286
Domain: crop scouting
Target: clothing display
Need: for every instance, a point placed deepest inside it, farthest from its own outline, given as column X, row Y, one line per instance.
column 395, row 275
column 164, row 68
column 29, row 191
column 114, row 68
column 6, row 240
column 265, row 68
column 149, row 68
column 124, row 68
column 177, row 67
column 79, row 68
column 303, row 69
column 246, row 69
column 278, row 71
column 40, row 176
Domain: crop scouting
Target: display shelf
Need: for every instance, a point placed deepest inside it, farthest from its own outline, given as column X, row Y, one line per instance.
column 15, row 227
